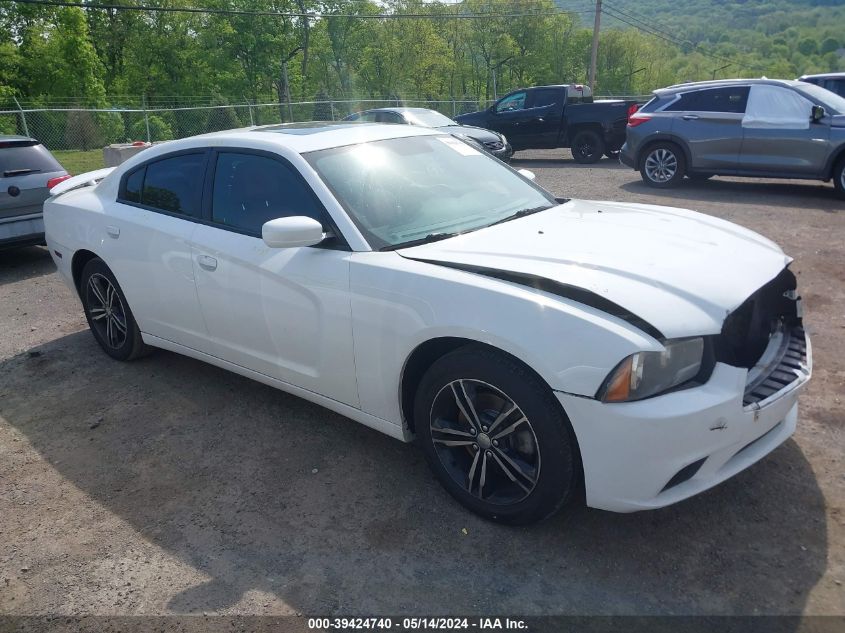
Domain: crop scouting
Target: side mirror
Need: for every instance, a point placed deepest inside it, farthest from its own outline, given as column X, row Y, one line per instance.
column 818, row 113
column 527, row 174
column 291, row 232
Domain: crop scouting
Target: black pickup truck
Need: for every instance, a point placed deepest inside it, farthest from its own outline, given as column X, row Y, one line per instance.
column 558, row 116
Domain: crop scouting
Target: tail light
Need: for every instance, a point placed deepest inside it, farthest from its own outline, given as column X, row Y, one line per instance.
column 55, row 181
column 632, row 109
column 637, row 119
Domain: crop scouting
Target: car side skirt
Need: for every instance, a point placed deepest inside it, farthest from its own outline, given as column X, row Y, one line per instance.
column 388, row 428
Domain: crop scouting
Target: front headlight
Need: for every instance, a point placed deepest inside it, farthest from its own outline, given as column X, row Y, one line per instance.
column 646, row 374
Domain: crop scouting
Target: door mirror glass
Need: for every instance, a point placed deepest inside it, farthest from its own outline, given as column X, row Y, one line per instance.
column 298, row 230
column 527, row 174
column 818, row 113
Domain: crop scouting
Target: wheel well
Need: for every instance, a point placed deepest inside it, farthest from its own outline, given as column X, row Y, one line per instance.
column 584, row 127
column 668, row 141
column 80, row 258
column 833, row 163
column 424, row 356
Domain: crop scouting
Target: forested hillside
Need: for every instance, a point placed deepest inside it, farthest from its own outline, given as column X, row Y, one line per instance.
column 100, row 57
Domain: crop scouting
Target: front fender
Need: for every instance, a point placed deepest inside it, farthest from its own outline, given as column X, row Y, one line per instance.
column 399, row 304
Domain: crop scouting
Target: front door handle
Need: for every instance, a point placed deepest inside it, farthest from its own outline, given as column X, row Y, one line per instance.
column 690, row 117
column 113, row 231
column 207, row 262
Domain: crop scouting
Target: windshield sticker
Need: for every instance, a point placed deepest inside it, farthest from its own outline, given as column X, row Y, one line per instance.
column 459, row 146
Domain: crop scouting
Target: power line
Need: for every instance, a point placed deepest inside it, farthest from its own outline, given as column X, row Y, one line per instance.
column 291, row 14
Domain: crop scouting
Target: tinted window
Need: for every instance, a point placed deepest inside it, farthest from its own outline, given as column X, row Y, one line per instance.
column 388, row 117
column 369, row 117
column 731, row 99
column 31, row 158
column 174, row 184
column 134, row 183
column 836, row 85
column 249, row 190
column 547, row 97
column 515, row 101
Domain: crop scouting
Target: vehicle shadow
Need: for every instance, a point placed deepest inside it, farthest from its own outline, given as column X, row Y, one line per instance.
column 535, row 162
column 806, row 194
column 219, row 471
column 19, row 264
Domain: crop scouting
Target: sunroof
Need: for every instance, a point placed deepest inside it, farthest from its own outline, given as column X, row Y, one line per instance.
column 309, row 127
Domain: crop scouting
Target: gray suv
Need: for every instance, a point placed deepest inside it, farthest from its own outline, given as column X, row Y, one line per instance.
column 750, row 127
column 27, row 171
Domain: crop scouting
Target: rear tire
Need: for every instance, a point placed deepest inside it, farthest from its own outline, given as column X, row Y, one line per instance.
column 839, row 178
column 663, row 165
column 108, row 313
column 587, row 147
column 517, row 467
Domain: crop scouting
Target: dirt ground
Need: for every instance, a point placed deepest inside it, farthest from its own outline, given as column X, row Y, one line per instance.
column 170, row 486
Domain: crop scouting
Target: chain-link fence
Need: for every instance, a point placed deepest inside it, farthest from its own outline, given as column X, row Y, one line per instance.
column 77, row 135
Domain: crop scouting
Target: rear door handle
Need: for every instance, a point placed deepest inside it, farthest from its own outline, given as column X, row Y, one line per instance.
column 113, row 231
column 690, row 117
column 207, row 262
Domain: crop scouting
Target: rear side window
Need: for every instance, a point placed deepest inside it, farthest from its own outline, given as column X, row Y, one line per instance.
column 171, row 184
column 22, row 159
column 134, row 183
column 250, row 190
column 732, row 99
column 542, row 98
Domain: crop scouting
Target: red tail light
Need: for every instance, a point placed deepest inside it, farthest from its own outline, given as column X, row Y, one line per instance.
column 632, row 109
column 637, row 119
column 55, row 181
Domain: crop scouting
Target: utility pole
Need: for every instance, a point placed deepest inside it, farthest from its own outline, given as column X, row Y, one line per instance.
column 595, row 50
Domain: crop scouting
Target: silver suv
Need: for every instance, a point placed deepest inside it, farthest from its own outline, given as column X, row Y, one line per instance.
column 740, row 127
column 27, row 171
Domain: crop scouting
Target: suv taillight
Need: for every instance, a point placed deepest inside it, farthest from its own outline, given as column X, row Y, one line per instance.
column 55, row 181
column 636, row 119
column 632, row 109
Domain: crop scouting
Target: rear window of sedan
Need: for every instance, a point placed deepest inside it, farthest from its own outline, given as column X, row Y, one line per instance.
column 26, row 158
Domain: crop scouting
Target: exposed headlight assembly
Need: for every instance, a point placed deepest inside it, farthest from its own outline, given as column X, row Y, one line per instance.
column 646, row 374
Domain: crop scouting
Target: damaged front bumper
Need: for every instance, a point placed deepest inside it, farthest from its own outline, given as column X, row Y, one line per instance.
column 656, row 452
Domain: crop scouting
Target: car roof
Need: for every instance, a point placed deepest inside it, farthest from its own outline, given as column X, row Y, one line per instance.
column 299, row 137
column 823, row 76
column 725, row 83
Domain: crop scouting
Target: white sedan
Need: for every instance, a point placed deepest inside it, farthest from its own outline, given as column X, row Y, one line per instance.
column 537, row 348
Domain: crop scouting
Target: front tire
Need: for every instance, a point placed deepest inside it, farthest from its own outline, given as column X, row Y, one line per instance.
column 496, row 437
column 108, row 313
column 839, row 178
column 587, row 147
column 663, row 165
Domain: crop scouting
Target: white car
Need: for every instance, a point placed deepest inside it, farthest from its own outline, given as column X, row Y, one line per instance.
column 536, row 348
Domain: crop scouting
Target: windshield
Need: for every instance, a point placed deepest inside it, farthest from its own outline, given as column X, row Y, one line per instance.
column 408, row 189
column 427, row 118
column 832, row 102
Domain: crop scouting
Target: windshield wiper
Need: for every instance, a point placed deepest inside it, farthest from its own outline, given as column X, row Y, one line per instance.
column 520, row 214
column 431, row 237
column 19, row 172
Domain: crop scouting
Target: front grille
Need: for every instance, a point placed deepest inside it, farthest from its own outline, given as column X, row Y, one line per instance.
column 494, row 145
column 783, row 364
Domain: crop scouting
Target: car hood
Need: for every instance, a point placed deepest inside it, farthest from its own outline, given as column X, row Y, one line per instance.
column 478, row 133
column 671, row 272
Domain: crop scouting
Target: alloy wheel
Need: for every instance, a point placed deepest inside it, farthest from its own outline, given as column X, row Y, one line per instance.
column 106, row 310
column 661, row 165
column 485, row 442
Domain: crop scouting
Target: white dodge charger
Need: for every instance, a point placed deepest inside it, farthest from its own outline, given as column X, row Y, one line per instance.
column 537, row 348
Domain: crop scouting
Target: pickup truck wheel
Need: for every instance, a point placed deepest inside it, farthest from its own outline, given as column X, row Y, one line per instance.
column 663, row 165
column 839, row 178
column 496, row 437
column 587, row 147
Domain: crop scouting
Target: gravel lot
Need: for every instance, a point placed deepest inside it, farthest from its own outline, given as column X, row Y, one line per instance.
column 169, row 486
